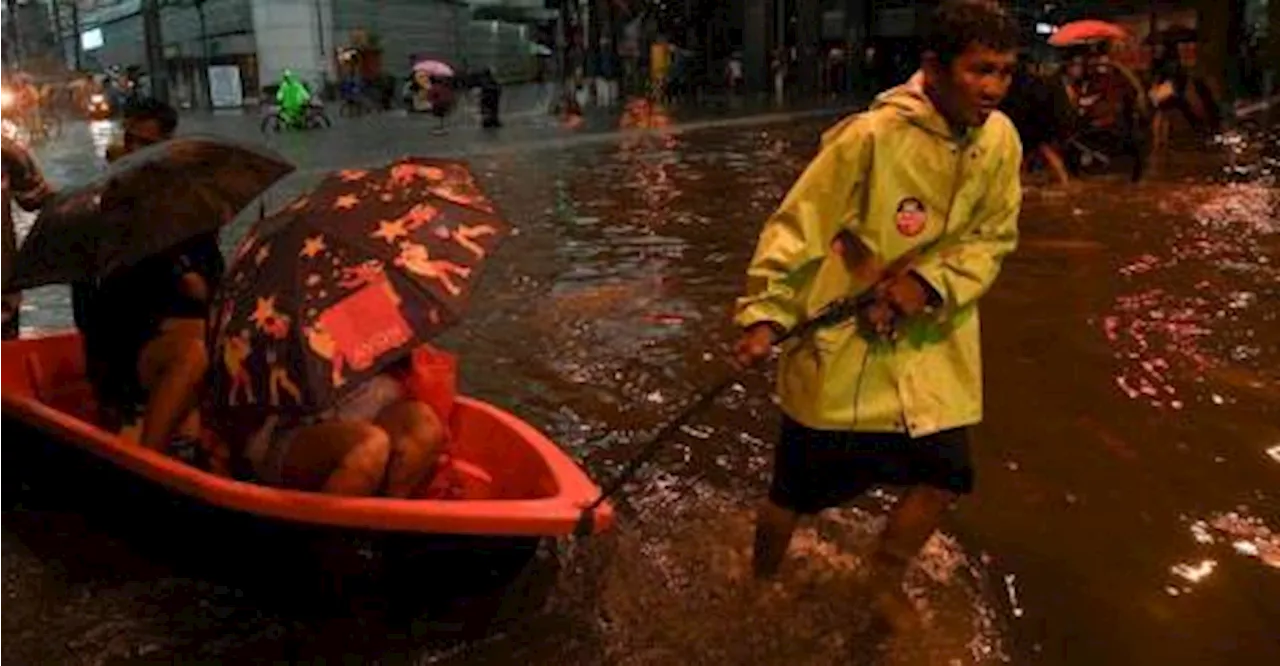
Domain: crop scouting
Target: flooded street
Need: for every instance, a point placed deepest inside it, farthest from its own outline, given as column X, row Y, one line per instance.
column 1127, row 508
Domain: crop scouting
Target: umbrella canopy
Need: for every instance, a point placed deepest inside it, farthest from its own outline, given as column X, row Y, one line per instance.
column 433, row 68
column 346, row 280
column 1090, row 30
column 145, row 203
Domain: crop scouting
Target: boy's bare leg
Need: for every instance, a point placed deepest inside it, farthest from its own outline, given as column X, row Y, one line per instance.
column 912, row 521
column 337, row 457
column 171, row 367
column 774, row 527
column 1056, row 164
column 416, row 436
column 363, row 468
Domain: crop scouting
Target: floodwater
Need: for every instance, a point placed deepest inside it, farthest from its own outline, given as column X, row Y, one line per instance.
column 1128, row 501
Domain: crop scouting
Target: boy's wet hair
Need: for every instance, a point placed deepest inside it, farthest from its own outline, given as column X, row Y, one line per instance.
column 150, row 108
column 958, row 24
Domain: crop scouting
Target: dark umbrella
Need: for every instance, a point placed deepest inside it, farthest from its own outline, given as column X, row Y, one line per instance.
column 145, row 203
column 343, row 282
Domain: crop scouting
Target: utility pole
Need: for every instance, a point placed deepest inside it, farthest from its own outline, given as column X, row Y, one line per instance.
column 204, row 53
column 56, row 5
column 15, row 33
column 75, row 34
column 55, row 9
column 154, row 45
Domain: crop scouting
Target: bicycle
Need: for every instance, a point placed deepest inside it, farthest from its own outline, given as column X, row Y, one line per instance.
column 313, row 117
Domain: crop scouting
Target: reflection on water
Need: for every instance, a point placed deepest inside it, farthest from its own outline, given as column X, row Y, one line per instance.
column 1247, row 534
column 1192, row 305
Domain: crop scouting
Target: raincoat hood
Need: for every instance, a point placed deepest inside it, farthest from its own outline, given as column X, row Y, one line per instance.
column 912, row 104
column 911, row 190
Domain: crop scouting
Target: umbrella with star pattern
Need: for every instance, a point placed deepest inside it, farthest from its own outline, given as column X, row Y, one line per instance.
column 347, row 279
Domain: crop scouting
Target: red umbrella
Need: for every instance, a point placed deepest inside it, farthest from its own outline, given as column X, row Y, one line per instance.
column 1087, row 31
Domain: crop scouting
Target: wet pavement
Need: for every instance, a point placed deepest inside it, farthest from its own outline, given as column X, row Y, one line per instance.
column 1127, row 509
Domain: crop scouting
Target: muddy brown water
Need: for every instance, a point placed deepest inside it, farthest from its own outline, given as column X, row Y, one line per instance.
column 1126, row 509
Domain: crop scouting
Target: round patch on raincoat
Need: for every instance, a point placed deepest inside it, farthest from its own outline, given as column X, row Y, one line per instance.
column 911, row 217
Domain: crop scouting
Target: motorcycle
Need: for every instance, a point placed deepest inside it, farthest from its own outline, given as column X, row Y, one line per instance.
column 313, row 117
column 28, row 125
column 8, row 104
column 98, row 108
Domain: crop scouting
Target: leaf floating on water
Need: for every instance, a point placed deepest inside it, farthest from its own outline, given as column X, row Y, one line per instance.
column 703, row 432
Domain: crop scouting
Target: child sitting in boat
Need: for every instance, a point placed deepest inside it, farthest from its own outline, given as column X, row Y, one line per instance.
column 144, row 326
column 380, row 439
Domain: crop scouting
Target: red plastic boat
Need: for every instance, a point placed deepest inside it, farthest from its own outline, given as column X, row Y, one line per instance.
column 513, row 480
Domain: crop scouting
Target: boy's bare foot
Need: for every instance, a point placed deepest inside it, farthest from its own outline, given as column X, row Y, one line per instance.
column 894, row 608
column 774, row 526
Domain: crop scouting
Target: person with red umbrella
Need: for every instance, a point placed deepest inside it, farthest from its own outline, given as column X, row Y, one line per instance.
column 1088, row 30
column 324, row 310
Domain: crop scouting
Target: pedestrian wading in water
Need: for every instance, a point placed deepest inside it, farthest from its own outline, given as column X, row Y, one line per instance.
column 913, row 204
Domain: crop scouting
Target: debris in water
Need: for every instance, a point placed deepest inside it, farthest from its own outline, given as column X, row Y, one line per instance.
column 1013, row 594
column 1194, row 572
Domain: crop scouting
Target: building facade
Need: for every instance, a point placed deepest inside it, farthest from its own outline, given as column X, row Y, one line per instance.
column 257, row 40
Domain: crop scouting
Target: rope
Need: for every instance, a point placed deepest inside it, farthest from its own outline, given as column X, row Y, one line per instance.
column 836, row 312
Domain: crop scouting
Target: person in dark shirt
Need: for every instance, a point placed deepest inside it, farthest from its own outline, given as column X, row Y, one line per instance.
column 144, row 325
column 1041, row 112
column 24, row 185
column 490, row 99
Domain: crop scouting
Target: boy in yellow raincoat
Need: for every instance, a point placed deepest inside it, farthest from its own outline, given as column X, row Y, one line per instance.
column 912, row 204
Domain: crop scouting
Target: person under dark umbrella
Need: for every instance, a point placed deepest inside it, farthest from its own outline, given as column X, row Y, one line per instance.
column 139, row 245
column 324, row 305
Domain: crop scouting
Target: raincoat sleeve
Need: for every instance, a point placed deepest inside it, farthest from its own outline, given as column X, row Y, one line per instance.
column 799, row 234
column 963, row 271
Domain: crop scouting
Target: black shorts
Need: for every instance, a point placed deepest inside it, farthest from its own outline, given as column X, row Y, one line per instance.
column 818, row 469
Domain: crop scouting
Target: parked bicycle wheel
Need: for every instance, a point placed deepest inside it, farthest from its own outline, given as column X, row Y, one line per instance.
column 272, row 123
column 318, row 119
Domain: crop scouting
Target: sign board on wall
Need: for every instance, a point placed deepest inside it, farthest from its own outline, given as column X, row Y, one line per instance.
column 895, row 22
column 91, row 39
column 225, row 89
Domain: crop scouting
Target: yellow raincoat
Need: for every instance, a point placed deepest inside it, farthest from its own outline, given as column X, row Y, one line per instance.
column 902, row 181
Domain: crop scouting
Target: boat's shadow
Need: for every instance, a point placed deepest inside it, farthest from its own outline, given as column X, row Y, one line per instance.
column 96, row 523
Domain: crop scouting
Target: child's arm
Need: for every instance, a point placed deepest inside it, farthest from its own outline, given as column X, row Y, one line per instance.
column 796, row 237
